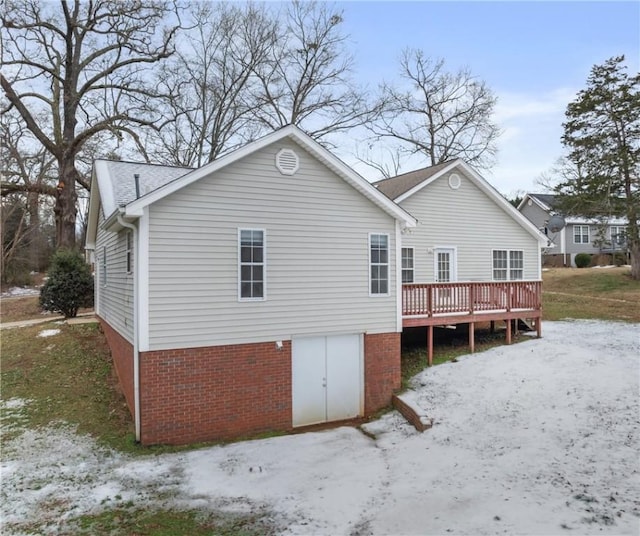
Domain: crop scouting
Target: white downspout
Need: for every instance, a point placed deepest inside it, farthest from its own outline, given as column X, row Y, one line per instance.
column 136, row 353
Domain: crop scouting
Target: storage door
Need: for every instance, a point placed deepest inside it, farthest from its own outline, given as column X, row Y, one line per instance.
column 309, row 380
column 343, row 377
column 327, row 379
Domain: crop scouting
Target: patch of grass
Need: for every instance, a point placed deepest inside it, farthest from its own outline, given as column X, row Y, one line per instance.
column 14, row 309
column 591, row 293
column 66, row 377
column 127, row 520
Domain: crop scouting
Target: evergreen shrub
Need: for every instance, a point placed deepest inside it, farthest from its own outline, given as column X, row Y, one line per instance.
column 583, row 260
column 69, row 285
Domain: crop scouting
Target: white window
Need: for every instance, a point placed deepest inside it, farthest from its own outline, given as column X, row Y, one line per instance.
column 581, row 234
column 516, row 265
column 508, row 265
column 129, row 247
column 500, row 264
column 379, row 264
column 103, row 267
column 617, row 233
column 407, row 265
column 251, row 264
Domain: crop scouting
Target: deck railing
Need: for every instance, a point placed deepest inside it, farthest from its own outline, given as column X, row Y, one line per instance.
column 435, row 299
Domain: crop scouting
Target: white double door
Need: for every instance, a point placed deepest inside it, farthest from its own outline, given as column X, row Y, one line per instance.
column 327, row 378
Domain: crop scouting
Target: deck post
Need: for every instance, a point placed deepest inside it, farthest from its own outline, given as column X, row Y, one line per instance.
column 472, row 337
column 430, row 345
column 539, row 326
column 508, row 322
column 492, row 329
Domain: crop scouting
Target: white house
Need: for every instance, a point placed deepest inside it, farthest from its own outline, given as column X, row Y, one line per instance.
column 259, row 292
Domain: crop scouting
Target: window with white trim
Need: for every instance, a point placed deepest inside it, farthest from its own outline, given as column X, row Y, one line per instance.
column 508, row 265
column 251, row 264
column 617, row 234
column 516, row 265
column 379, row 264
column 581, row 234
column 407, row 265
column 103, row 267
column 129, row 250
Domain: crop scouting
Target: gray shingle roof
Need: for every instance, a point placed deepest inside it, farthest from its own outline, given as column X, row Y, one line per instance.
column 394, row 187
column 151, row 177
column 547, row 199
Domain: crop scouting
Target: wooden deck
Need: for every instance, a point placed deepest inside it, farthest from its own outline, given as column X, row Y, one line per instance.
column 439, row 304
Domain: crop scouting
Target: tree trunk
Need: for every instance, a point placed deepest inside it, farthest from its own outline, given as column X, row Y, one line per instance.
column 65, row 209
column 634, row 249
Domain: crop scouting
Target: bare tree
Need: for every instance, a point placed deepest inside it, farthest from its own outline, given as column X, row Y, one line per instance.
column 437, row 115
column 210, row 79
column 307, row 81
column 28, row 187
column 83, row 64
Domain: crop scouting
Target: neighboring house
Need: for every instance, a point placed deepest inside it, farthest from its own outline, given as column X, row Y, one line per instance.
column 580, row 235
column 472, row 257
column 260, row 292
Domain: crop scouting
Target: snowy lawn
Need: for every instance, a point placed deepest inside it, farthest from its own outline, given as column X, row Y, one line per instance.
column 537, row 438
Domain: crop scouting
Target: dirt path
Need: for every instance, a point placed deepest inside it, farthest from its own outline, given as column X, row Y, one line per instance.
column 615, row 300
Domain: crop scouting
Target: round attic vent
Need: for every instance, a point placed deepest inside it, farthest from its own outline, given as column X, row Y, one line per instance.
column 287, row 161
column 454, row 181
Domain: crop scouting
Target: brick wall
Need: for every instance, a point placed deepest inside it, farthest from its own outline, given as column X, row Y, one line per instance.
column 219, row 392
column 381, row 370
column 122, row 355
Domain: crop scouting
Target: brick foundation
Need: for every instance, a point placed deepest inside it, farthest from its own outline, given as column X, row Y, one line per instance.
column 217, row 392
column 225, row 392
column 122, row 355
column 382, row 374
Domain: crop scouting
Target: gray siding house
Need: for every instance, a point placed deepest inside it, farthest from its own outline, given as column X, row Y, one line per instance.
column 259, row 292
column 466, row 230
column 580, row 235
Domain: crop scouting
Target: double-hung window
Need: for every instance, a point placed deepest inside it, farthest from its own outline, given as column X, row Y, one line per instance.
column 617, row 233
column 379, row 264
column 581, row 234
column 407, row 265
column 508, row 265
column 251, row 264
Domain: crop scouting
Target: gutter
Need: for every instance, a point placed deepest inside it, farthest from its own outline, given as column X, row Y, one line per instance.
column 136, row 353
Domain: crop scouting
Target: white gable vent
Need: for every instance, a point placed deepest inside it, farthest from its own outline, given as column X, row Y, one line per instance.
column 287, row 161
column 454, row 181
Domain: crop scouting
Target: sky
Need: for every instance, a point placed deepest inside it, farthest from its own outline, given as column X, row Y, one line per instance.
column 535, row 57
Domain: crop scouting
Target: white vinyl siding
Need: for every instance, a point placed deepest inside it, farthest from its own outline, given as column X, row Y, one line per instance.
column 115, row 300
column 581, row 234
column 379, row 264
column 508, row 265
column 129, row 251
column 470, row 221
column 251, row 264
column 317, row 229
column 103, row 266
column 407, row 265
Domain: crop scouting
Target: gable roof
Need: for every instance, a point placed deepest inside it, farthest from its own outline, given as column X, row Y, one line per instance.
column 394, row 187
column 408, row 184
column 544, row 201
column 116, row 185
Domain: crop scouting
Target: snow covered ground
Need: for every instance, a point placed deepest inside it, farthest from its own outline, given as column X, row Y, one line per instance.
column 537, row 438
